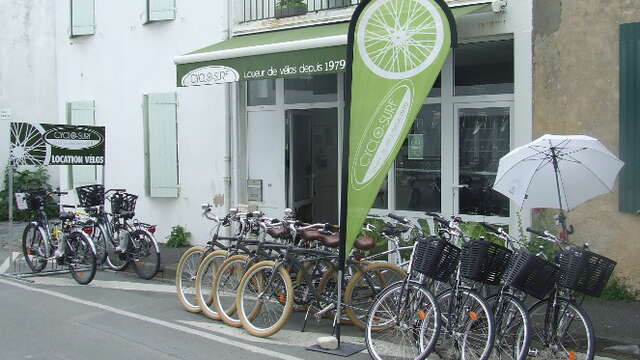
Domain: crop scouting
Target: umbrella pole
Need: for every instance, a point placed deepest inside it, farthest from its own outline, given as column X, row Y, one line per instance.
column 556, row 169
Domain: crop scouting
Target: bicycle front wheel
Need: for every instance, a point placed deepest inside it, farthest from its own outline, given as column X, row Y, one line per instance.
column 402, row 323
column 468, row 323
column 81, row 257
column 204, row 282
column 100, row 243
column 34, row 247
column 265, row 299
column 571, row 338
column 225, row 288
column 365, row 285
column 186, row 272
column 146, row 254
column 513, row 328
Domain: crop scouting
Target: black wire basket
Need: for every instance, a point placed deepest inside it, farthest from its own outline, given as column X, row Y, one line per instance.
column 484, row 261
column 90, row 195
column 123, row 202
column 531, row 274
column 36, row 199
column 584, row 271
column 436, row 258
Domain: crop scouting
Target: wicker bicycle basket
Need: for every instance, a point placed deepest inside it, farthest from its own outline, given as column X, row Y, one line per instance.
column 121, row 202
column 531, row 274
column 90, row 195
column 484, row 261
column 584, row 271
column 436, row 258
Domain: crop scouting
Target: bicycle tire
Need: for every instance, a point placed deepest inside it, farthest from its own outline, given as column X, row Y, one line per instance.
column 34, row 233
column 145, row 248
column 186, row 272
column 368, row 282
column 475, row 317
column 205, row 270
column 81, row 257
column 251, row 319
column 553, row 351
column 506, row 345
column 387, row 338
column 225, row 284
column 100, row 244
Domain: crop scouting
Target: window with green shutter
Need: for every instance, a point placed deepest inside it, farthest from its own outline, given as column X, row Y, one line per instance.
column 83, row 17
column 82, row 113
column 161, row 145
column 159, row 10
column 630, row 117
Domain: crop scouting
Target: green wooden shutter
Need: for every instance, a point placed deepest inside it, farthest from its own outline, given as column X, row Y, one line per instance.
column 83, row 17
column 82, row 113
column 158, row 10
column 161, row 147
column 630, row 117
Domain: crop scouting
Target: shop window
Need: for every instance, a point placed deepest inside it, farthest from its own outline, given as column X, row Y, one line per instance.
column 311, row 89
column 261, row 92
column 418, row 164
column 483, row 139
column 161, row 147
column 484, row 68
column 83, row 17
column 160, row 10
column 436, row 89
column 81, row 113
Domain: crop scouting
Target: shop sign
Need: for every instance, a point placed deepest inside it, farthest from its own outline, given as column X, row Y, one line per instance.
column 5, row 114
column 210, row 75
column 55, row 144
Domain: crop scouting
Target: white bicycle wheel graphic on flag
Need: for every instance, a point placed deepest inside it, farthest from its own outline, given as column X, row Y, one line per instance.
column 28, row 146
column 398, row 39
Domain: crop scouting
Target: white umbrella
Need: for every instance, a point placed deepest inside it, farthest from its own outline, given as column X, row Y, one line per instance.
column 557, row 171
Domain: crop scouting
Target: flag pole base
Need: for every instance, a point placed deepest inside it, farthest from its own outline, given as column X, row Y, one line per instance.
column 344, row 350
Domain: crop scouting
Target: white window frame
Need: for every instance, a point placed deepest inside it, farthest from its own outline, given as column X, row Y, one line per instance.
column 71, row 23
column 148, row 9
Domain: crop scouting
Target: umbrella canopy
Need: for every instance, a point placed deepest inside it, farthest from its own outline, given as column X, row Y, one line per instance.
column 557, row 171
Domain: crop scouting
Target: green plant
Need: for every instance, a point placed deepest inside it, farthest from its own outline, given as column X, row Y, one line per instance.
column 27, row 179
column 288, row 4
column 179, row 237
column 618, row 289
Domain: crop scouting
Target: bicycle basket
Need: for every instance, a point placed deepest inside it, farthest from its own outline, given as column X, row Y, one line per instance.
column 436, row 258
column 484, row 261
column 531, row 274
column 584, row 271
column 90, row 195
column 121, row 202
column 36, row 199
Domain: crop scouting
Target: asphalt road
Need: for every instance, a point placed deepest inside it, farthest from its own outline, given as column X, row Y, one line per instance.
column 54, row 318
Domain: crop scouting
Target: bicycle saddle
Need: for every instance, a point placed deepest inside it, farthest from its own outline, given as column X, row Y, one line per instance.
column 394, row 230
column 328, row 240
column 277, row 232
column 365, row 243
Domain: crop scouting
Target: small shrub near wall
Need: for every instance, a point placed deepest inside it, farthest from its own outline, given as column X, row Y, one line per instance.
column 179, row 237
column 23, row 180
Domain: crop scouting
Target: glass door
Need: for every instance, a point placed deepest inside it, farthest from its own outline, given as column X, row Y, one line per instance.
column 483, row 134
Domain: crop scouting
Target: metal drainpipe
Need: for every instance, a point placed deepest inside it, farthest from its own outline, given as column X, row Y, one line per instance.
column 229, row 108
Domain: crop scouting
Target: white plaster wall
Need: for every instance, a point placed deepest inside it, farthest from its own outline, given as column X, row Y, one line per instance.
column 126, row 59
column 27, row 68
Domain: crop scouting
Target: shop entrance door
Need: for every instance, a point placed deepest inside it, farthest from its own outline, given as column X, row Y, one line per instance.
column 312, row 164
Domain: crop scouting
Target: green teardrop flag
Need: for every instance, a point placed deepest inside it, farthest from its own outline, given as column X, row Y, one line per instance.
column 398, row 49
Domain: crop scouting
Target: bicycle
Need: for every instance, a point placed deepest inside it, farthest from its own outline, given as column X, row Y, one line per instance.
column 67, row 242
column 580, row 271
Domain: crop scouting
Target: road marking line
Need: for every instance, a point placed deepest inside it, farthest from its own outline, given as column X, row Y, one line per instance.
column 167, row 324
column 106, row 284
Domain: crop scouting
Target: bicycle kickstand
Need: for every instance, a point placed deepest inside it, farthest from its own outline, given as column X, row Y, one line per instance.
column 306, row 317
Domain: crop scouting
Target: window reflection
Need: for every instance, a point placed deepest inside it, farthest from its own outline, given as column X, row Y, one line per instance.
column 484, row 139
column 484, row 68
column 310, row 89
column 418, row 164
column 261, row 92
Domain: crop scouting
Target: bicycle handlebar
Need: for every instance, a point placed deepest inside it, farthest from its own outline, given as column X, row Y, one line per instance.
column 490, row 227
column 399, row 218
column 538, row 232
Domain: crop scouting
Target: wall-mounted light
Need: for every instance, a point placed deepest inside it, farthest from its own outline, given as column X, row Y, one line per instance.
column 498, row 6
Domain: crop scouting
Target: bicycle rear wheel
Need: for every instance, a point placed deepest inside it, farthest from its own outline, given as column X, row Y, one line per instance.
column 186, row 272
column 265, row 299
column 571, row 339
column 146, row 254
column 365, row 285
column 402, row 323
column 34, row 247
column 116, row 260
column 513, row 328
column 81, row 257
column 468, row 325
